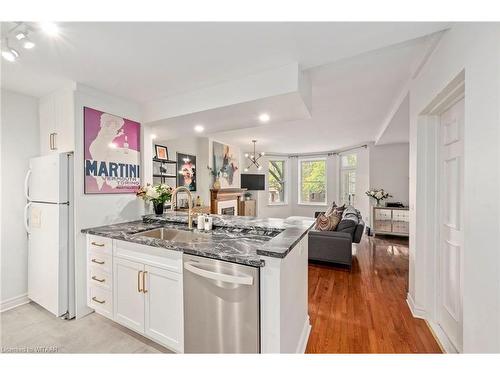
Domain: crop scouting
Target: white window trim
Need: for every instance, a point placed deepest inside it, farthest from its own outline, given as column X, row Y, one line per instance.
column 287, row 179
column 299, row 178
column 343, row 169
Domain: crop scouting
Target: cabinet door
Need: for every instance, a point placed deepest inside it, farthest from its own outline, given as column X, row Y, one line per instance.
column 47, row 124
column 164, row 307
column 128, row 296
column 64, row 120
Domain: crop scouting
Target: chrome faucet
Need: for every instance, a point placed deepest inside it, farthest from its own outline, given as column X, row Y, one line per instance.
column 190, row 202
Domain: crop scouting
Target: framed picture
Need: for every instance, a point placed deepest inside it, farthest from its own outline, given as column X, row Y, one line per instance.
column 226, row 165
column 186, row 176
column 161, row 152
column 111, row 152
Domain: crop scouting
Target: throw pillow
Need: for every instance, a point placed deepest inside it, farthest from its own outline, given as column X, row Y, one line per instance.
column 330, row 209
column 339, row 210
column 324, row 223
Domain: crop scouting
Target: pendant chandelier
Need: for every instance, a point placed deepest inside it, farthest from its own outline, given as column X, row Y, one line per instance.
column 253, row 158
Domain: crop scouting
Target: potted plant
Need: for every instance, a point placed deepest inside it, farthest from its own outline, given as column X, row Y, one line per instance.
column 378, row 195
column 248, row 195
column 157, row 194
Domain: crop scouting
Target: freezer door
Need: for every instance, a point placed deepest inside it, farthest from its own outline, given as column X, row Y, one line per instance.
column 47, row 179
column 48, row 256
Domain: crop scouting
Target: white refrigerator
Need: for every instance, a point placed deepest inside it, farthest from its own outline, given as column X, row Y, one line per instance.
column 48, row 218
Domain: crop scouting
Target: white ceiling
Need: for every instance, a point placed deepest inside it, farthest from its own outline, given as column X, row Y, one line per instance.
column 148, row 61
column 350, row 102
column 398, row 129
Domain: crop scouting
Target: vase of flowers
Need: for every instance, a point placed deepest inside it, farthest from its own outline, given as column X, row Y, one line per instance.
column 216, row 185
column 157, row 194
column 378, row 195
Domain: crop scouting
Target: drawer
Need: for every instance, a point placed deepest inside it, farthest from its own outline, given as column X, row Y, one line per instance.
column 402, row 227
column 99, row 277
column 100, row 260
column 400, row 215
column 382, row 214
column 101, row 300
column 383, row 226
column 101, row 244
column 170, row 260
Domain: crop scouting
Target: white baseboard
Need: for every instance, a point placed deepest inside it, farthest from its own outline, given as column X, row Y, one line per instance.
column 14, row 302
column 441, row 337
column 435, row 328
column 304, row 337
column 417, row 312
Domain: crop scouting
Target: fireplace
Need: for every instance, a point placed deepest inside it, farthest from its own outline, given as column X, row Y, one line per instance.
column 228, row 211
column 225, row 201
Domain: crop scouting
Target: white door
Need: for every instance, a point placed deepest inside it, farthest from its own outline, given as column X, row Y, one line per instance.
column 164, row 307
column 47, row 179
column 451, row 224
column 128, row 296
column 48, row 256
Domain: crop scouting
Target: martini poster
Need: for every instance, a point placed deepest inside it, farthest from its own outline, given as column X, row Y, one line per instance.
column 112, row 153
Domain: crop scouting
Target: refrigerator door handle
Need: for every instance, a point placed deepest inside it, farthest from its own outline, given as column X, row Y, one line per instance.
column 26, row 225
column 242, row 280
column 27, row 184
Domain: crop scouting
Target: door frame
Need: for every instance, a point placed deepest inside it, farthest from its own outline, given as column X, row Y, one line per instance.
column 429, row 186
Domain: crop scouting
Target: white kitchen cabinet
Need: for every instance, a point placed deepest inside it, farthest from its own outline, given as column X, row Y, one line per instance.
column 128, row 297
column 57, row 120
column 163, row 304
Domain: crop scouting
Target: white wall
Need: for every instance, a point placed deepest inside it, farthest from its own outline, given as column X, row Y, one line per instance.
column 101, row 209
column 197, row 146
column 19, row 142
column 475, row 49
column 389, row 170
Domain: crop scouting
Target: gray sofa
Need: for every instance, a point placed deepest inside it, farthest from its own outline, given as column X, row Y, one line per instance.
column 336, row 246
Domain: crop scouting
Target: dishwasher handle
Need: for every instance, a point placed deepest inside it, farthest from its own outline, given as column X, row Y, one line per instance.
column 244, row 280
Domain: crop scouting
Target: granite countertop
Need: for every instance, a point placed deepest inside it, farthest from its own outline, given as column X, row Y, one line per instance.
column 238, row 239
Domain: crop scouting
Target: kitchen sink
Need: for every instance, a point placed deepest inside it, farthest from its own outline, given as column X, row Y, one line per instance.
column 177, row 235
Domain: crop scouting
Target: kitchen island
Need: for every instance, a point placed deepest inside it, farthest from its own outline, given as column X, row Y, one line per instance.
column 276, row 248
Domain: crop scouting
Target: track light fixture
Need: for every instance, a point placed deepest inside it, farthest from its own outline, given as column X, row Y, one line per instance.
column 20, row 35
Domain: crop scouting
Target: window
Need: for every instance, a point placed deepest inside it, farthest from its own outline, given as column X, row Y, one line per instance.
column 277, row 179
column 312, row 181
column 348, row 166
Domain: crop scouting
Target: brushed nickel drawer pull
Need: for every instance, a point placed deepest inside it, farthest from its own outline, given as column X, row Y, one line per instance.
column 96, row 300
column 98, row 244
column 97, row 261
column 144, row 282
column 99, row 280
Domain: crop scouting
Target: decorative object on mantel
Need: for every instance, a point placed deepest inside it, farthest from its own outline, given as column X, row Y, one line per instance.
column 378, row 195
column 112, row 152
column 157, row 194
column 216, row 184
column 254, row 158
column 226, row 165
column 248, row 196
column 161, row 152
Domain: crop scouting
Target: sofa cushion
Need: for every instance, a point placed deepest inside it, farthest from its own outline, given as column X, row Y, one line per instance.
column 326, row 223
column 350, row 219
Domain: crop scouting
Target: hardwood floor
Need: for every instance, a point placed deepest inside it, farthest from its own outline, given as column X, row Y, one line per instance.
column 364, row 310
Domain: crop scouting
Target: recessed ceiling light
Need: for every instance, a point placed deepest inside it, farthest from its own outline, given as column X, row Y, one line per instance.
column 153, row 136
column 199, row 128
column 264, row 117
column 20, row 35
column 50, row 28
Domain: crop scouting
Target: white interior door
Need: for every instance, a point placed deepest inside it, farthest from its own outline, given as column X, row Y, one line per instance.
column 451, row 224
column 128, row 296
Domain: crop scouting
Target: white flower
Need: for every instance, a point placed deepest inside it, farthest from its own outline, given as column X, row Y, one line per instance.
column 152, row 193
column 379, row 195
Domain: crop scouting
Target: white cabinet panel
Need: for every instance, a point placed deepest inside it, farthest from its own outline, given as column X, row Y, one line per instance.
column 128, row 295
column 164, row 307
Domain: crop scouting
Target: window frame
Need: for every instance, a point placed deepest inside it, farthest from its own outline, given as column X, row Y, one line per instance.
column 285, row 180
column 299, row 178
column 342, row 171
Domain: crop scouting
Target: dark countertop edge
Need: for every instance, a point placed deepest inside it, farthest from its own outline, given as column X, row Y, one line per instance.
column 231, row 259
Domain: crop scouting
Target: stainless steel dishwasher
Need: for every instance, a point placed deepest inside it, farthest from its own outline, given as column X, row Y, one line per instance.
column 221, row 306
